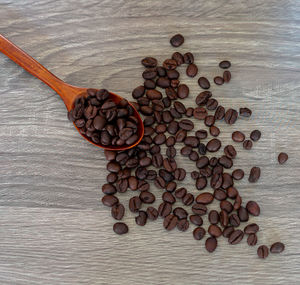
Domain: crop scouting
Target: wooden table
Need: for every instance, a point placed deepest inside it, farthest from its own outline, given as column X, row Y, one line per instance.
column 53, row 227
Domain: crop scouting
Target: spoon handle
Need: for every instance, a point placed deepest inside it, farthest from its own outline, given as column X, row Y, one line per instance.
column 66, row 91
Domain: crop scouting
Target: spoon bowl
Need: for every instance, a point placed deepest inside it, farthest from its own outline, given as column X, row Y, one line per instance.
column 67, row 92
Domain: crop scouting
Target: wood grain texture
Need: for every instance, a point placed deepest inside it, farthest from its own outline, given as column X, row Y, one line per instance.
column 53, row 228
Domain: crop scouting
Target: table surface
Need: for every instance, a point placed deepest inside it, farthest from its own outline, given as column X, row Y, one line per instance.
column 53, row 227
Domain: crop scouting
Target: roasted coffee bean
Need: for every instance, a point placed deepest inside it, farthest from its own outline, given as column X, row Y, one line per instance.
column 230, row 116
column 252, row 239
column 173, row 127
column 163, row 82
column 224, row 220
column 236, row 237
column 209, row 120
column 238, row 174
column 147, row 197
column 263, row 251
column 164, row 209
column 109, row 189
column 230, row 151
column 243, row 214
column 201, row 183
column 151, row 175
column 122, row 185
column 211, row 244
column 179, row 174
column 160, row 128
column 111, row 178
column 226, row 76
column 141, row 219
column 98, row 122
column 226, row 206
column 145, row 161
column 192, row 70
column 117, row 211
column 133, row 183
column 214, row 131
column 169, row 164
column 277, row 247
column 228, row 231
column 172, row 74
column 186, row 150
column 149, row 73
column 135, row 204
column 174, row 83
column 110, row 200
column 247, row 144
column 171, row 186
column 191, row 141
column 166, row 175
column 216, row 181
column 220, row 113
column 234, row 220
column 204, row 198
column 199, row 233
column 177, row 40
column 141, row 173
column 211, row 104
column 220, row 194
column 238, row 136
column 171, row 94
column 213, row 161
column 169, row 64
column 167, row 117
column 227, row 181
column 148, row 121
column 175, row 114
column 157, row 160
column 168, row 197
column 120, row 228
column 178, row 57
column 196, row 220
column 245, row 112
column 186, row 125
column 170, row 141
column 251, row 229
column 232, row 192
column 189, row 112
column 110, row 155
column 213, row 217
column 153, row 95
column 149, row 62
column 205, row 172
column 152, row 213
column 203, row 83
column 201, row 134
column 154, row 149
column 254, row 174
column 167, row 102
column 180, row 213
column 180, row 193
column 188, row 199
column 183, row 225
column 194, row 156
column 218, row 80
column 282, row 157
column 202, row 162
column 253, row 208
column 203, row 97
column 159, row 139
column 213, row 145
column 180, row 108
column 224, row 64
column 200, row 113
column 199, row 209
column 194, row 175
column 255, row 135
column 161, row 71
column 214, row 231
column 225, row 161
column 171, row 152
column 170, row 222
column 237, row 203
column 188, row 58
column 218, row 169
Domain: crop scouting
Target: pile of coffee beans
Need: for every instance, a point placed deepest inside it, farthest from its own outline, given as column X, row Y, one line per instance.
column 168, row 123
column 104, row 121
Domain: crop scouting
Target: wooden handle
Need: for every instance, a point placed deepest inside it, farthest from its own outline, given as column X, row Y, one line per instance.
column 66, row 91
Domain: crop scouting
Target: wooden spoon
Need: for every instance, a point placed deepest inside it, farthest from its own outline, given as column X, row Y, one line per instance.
column 66, row 91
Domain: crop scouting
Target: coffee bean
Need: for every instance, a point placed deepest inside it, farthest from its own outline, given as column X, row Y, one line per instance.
column 186, row 150
column 238, row 174
column 203, row 83
column 172, row 74
column 160, row 183
column 171, row 152
column 226, row 76
column 194, row 156
column 220, row 194
column 152, row 213
column 238, row 136
column 168, row 197
column 151, row 175
column 164, row 209
column 171, row 186
column 111, row 178
column 138, row 92
column 180, row 108
column 214, row 231
column 149, row 73
column 211, row 244
column 186, row 124
column 199, row 209
column 209, row 120
column 169, row 164
column 225, row 161
column 213, row 145
column 169, row 64
column 251, row 229
column 232, row 192
column 192, row 70
column 149, row 62
column 191, row 141
column 236, row 237
column 263, row 251
column 180, row 193
column 255, row 135
column 234, row 220
column 201, row 183
column 141, row 219
column 214, row 131
column 120, row 228
column 202, row 162
column 135, row 204
column 245, row 112
column 196, row 220
column 188, row 58
column 216, row 180
column 213, row 217
column 200, row 113
column 252, row 239
column 230, row 116
column 179, row 174
column 224, row 64
column 163, row 82
column 188, row 199
column 237, row 203
column 189, row 112
column 203, row 97
column 174, row 83
column 170, row 222
column 228, row 231
column 110, row 155
column 109, row 189
column 199, row 233
column 218, row 169
column 183, row 91
column 247, row 144
column 180, row 213
column 226, row 206
column 166, row 175
column 277, row 247
column 218, row 80
column 159, row 139
column 177, row 40
column 243, row 214
column 213, row 161
column 220, row 113
column 282, row 157
column 230, row 151
column 117, row 211
column 204, row 198
column 110, row 200
column 147, row 197
column 224, row 220
column 141, row 173
column 183, row 225
column 175, row 114
column 253, row 208
column 254, row 174
column 178, row 57
column 201, row 134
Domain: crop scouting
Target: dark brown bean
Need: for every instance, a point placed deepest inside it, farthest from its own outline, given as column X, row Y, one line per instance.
column 231, row 116
column 178, row 57
column 182, row 91
column 149, row 61
column 220, row 113
column 170, row 222
column 213, row 217
column 177, row 40
column 203, row 83
column 199, row 209
column 192, row 70
column 234, row 220
column 214, row 230
column 227, row 76
column 247, row 144
column 203, row 97
column 117, row 211
column 199, row 233
column 164, row 209
column 254, row 174
column 204, row 198
column 224, row 220
column 120, row 228
column 188, row 199
column 196, row 220
column 141, row 219
column 243, row 214
column 180, row 193
column 213, row 145
column 224, row 64
column 135, row 204
column 211, row 244
column 255, row 135
column 147, row 197
column 238, row 136
column 252, row 239
column 282, row 157
column 188, row 58
column 230, row 151
column 183, row 225
column 245, row 112
column 169, row 64
column 253, row 208
column 218, row 80
column 251, row 229
column 238, row 174
column 200, row 113
column 214, row 131
column 236, row 237
column 263, row 251
column 201, row 134
column 228, row 231
column 152, row 213
column 277, row 247
column 110, row 200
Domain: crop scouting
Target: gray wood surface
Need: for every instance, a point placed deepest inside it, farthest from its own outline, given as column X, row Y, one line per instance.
column 53, row 227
